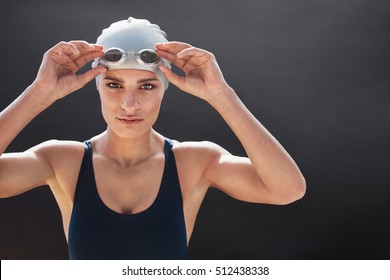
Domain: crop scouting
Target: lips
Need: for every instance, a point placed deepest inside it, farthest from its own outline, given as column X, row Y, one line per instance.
column 129, row 121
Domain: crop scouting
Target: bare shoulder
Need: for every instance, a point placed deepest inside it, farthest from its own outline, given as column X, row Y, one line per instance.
column 197, row 153
column 65, row 158
column 54, row 163
column 193, row 159
column 198, row 149
column 57, row 150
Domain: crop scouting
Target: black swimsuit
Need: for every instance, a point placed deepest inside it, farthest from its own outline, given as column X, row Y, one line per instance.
column 97, row 232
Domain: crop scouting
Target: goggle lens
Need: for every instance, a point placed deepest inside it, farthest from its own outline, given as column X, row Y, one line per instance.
column 113, row 55
column 148, row 57
column 118, row 56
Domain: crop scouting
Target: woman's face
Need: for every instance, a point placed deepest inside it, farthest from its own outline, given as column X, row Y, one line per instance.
column 130, row 101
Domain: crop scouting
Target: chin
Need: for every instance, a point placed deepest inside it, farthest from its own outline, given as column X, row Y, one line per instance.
column 129, row 133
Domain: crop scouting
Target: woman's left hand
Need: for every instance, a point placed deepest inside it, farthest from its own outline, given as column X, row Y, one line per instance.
column 203, row 77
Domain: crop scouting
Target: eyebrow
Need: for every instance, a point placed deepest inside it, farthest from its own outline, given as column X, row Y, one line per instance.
column 141, row 81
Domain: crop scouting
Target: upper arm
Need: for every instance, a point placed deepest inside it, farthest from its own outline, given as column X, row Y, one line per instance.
column 237, row 177
column 234, row 175
column 204, row 164
column 23, row 171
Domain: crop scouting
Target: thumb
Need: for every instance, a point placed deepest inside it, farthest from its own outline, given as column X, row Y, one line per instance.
column 88, row 76
column 173, row 78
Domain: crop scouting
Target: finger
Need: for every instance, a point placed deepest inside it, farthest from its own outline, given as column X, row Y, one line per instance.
column 66, row 48
column 195, row 57
column 98, row 47
column 173, row 47
column 87, row 57
column 171, row 57
column 87, row 52
column 88, row 76
column 75, row 49
column 173, row 77
column 194, row 52
column 82, row 44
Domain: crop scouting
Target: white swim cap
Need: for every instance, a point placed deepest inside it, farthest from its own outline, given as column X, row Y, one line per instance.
column 130, row 37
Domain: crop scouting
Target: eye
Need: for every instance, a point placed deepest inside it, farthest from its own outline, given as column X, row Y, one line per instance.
column 147, row 86
column 113, row 85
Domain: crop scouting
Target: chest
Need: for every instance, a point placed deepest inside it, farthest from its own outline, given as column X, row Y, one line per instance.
column 128, row 189
column 159, row 233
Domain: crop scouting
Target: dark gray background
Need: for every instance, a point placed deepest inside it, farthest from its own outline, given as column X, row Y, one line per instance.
column 315, row 73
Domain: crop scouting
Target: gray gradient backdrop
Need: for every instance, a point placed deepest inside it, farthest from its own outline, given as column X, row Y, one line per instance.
column 315, row 73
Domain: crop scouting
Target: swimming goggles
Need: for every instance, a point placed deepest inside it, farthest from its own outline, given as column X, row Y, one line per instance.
column 116, row 56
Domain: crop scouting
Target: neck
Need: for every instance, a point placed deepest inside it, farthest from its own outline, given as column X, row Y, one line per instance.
column 127, row 151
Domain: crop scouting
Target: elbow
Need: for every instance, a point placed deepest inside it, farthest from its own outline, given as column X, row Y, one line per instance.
column 296, row 191
column 3, row 193
column 281, row 193
column 293, row 191
column 299, row 191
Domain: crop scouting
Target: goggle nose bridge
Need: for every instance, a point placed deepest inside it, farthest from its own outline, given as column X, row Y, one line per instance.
column 116, row 56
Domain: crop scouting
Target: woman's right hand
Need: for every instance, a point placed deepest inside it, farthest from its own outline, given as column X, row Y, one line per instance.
column 57, row 76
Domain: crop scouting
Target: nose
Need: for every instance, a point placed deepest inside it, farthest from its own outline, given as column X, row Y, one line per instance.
column 130, row 102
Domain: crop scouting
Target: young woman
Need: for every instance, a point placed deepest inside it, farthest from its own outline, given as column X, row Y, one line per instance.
column 130, row 192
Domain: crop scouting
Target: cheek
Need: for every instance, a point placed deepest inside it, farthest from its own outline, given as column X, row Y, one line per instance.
column 104, row 110
column 107, row 106
column 152, row 108
column 156, row 104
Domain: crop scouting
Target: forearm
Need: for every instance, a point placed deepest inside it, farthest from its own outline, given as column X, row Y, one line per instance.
column 276, row 169
column 271, row 169
column 19, row 113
